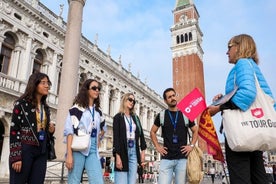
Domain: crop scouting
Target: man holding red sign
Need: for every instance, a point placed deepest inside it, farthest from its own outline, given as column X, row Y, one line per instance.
column 174, row 132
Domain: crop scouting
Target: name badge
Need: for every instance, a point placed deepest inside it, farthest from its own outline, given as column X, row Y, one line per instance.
column 175, row 139
column 130, row 143
column 94, row 132
column 41, row 135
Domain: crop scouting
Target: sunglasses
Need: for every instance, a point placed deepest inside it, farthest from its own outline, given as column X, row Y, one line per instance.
column 95, row 88
column 131, row 100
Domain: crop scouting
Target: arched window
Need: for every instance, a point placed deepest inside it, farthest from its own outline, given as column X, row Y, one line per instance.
column 186, row 37
column 177, row 39
column 59, row 74
column 182, row 39
column 38, row 61
column 6, row 53
column 190, row 36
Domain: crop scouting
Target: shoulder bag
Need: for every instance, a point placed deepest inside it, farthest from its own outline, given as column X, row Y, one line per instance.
column 254, row 129
column 81, row 140
column 51, row 147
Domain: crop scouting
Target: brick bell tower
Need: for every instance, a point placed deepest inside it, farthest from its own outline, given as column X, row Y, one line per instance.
column 186, row 49
column 187, row 53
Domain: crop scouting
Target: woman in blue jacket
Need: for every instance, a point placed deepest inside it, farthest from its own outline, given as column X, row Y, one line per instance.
column 244, row 167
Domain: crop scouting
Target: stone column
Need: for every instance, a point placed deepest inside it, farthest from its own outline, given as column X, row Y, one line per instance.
column 25, row 64
column 105, row 98
column 145, row 116
column 137, row 108
column 117, row 101
column 69, row 73
column 52, row 72
column 14, row 65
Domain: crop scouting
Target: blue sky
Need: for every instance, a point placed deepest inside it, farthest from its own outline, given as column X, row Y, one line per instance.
column 139, row 31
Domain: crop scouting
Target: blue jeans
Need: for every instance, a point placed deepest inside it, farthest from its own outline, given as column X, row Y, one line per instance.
column 91, row 163
column 130, row 176
column 168, row 167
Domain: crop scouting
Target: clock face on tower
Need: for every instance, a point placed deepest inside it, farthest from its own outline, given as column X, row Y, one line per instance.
column 183, row 18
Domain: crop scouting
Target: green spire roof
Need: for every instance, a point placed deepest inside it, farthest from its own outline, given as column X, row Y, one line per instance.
column 182, row 3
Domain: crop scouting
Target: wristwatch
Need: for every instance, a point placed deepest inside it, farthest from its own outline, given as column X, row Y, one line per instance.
column 192, row 145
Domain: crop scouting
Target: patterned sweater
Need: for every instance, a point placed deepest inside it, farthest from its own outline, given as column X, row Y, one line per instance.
column 20, row 131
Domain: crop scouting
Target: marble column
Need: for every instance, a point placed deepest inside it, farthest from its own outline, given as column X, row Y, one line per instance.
column 69, row 73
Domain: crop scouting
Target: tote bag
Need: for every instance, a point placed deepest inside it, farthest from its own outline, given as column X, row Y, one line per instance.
column 254, row 129
column 194, row 166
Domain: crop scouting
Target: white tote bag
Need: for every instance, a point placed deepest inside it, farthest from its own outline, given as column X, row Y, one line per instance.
column 254, row 129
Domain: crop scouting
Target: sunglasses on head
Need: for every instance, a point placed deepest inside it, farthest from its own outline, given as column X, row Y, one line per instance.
column 131, row 100
column 94, row 88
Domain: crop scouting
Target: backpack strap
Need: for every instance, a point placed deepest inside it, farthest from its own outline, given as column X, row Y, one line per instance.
column 162, row 118
column 186, row 120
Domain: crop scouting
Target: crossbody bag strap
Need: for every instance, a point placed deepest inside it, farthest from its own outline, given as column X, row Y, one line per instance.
column 29, row 124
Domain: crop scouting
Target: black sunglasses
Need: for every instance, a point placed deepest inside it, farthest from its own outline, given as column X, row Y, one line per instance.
column 131, row 100
column 94, row 88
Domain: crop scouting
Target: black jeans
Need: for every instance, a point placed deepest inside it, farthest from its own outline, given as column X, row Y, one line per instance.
column 33, row 168
column 245, row 167
column 141, row 179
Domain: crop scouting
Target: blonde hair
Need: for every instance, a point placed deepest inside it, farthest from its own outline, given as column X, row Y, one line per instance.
column 246, row 47
column 123, row 101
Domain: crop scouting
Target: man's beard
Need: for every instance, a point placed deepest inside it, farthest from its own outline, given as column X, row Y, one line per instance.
column 172, row 105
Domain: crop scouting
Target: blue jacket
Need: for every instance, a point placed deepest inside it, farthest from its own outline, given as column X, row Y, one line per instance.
column 242, row 75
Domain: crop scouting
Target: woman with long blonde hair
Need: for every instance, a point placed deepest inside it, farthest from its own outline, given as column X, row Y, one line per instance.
column 129, row 143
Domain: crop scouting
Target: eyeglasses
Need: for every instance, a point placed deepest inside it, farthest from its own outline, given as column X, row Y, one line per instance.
column 95, row 88
column 44, row 83
column 131, row 100
column 231, row 45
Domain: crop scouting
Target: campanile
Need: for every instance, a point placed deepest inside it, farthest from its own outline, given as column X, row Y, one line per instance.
column 186, row 49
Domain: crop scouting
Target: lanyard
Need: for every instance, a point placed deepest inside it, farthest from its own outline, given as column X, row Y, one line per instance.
column 173, row 121
column 41, row 113
column 130, row 123
column 92, row 112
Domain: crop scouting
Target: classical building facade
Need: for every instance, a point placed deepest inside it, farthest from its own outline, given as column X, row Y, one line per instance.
column 32, row 39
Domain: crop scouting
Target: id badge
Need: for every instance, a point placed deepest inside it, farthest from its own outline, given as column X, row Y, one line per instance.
column 94, row 132
column 41, row 135
column 175, row 139
column 130, row 143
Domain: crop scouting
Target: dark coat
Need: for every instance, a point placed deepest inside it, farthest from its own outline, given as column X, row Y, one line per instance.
column 120, row 145
column 20, row 132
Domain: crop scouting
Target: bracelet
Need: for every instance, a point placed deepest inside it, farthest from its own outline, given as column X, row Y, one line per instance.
column 192, row 145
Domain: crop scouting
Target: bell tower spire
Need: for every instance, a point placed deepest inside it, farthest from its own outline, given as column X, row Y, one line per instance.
column 186, row 49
